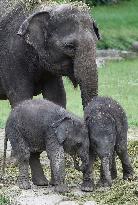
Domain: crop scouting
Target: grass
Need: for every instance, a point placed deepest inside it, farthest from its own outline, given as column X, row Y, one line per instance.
column 4, row 112
column 117, row 79
column 118, row 24
column 3, row 200
column 120, row 80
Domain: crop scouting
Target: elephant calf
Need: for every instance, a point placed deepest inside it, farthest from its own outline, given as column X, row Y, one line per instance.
column 107, row 126
column 37, row 125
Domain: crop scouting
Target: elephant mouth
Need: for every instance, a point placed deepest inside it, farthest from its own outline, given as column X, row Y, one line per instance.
column 62, row 67
column 67, row 69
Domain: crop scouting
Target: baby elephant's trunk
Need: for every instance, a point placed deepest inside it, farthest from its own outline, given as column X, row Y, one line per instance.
column 84, row 166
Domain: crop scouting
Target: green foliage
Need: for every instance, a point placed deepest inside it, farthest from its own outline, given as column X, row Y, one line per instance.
column 4, row 112
column 101, row 2
column 118, row 24
column 3, row 200
column 31, row 4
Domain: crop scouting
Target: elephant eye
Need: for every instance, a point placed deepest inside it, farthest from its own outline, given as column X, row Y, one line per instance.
column 70, row 46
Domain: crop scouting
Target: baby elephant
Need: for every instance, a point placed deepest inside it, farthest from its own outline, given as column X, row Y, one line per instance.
column 107, row 126
column 37, row 125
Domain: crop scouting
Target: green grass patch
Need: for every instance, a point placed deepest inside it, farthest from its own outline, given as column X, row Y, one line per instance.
column 116, row 79
column 120, row 80
column 4, row 112
column 118, row 24
column 4, row 200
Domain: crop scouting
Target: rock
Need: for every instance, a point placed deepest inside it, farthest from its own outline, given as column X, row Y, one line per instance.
column 90, row 203
column 100, row 62
column 109, row 53
column 68, row 203
column 78, row 192
column 133, row 133
column 34, row 196
column 135, row 46
column 50, row 199
column 2, row 135
column 128, row 54
column 113, row 54
column 1, row 185
column 38, row 196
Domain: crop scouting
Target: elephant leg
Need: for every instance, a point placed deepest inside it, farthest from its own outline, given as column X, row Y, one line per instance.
column 38, row 177
column 13, row 159
column 55, row 154
column 17, row 90
column 23, row 179
column 21, row 151
column 105, row 174
column 126, row 165
column 88, row 181
column 113, row 166
column 54, row 91
column 22, row 90
column 16, row 97
column 52, row 181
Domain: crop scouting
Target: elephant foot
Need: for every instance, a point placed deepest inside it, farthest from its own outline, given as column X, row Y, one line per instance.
column 61, row 188
column 104, row 183
column 128, row 176
column 13, row 161
column 87, row 186
column 52, row 182
column 24, row 183
column 40, row 181
column 114, row 175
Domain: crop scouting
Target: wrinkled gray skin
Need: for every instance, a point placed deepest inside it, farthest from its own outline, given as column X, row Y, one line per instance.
column 37, row 125
column 52, row 42
column 107, row 127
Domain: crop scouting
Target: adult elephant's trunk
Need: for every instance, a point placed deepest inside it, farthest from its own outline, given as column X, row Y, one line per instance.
column 85, row 69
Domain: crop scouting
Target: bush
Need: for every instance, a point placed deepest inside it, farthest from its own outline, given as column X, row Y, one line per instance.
column 101, row 2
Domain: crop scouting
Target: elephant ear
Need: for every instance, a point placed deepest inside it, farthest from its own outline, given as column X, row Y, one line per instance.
column 34, row 29
column 60, row 129
column 96, row 30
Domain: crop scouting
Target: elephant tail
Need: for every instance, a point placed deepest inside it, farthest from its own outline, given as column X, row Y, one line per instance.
column 4, row 155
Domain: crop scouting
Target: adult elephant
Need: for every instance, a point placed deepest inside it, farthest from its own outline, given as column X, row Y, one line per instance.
column 53, row 42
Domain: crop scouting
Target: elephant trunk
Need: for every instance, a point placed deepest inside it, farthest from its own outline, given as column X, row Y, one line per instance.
column 85, row 162
column 85, row 69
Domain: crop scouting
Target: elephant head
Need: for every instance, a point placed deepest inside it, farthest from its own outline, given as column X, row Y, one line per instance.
column 64, row 38
column 73, row 134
